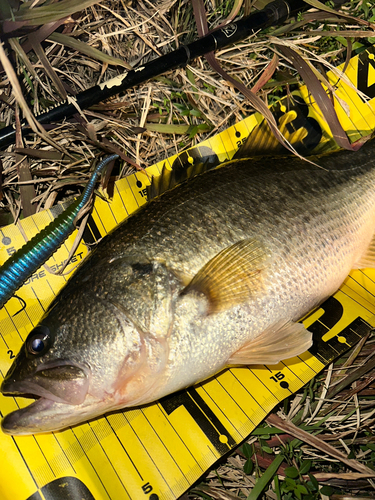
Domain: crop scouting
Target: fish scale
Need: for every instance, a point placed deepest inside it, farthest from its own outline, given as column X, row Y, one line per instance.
column 213, row 273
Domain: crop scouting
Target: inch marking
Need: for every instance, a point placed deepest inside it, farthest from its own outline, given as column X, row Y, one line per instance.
column 365, row 61
column 97, row 213
column 166, row 448
column 78, row 442
column 326, row 351
column 24, row 460
column 366, row 290
column 202, row 414
column 91, row 234
column 254, row 401
column 121, row 198
column 109, row 460
column 360, row 303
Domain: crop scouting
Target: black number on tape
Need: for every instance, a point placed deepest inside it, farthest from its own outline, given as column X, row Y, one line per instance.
column 242, row 141
column 296, row 111
column 147, row 488
column 302, row 121
column 279, row 376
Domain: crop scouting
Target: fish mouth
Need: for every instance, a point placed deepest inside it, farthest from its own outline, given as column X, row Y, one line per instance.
column 27, row 420
column 45, row 415
column 61, row 387
column 61, row 381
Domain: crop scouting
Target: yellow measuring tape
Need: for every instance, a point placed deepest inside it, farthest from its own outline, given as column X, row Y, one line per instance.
column 158, row 451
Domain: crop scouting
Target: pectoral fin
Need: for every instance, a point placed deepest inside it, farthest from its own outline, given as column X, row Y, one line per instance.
column 281, row 341
column 233, row 276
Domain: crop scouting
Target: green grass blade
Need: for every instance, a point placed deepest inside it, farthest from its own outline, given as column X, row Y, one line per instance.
column 266, row 478
column 50, row 13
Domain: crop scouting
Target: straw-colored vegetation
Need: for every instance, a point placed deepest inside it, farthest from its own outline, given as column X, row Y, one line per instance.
column 54, row 49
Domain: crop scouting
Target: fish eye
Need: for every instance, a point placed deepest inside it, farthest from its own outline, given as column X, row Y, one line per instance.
column 38, row 341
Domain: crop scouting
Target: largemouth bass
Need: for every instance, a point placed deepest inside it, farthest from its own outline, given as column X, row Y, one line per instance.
column 213, row 273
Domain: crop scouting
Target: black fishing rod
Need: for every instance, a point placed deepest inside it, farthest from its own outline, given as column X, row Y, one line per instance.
column 274, row 13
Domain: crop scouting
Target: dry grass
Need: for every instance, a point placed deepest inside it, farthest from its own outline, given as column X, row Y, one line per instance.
column 48, row 167
column 195, row 97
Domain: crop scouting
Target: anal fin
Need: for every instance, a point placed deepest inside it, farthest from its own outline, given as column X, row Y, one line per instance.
column 280, row 341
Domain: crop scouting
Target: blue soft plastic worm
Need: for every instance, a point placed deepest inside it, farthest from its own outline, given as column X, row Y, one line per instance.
column 23, row 263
